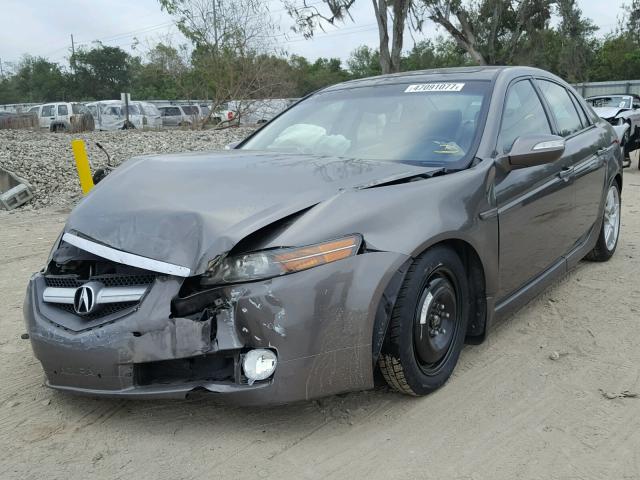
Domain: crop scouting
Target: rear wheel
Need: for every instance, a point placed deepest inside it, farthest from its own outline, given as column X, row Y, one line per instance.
column 428, row 324
column 610, row 229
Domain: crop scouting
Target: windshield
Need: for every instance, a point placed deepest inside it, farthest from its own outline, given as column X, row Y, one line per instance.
column 616, row 101
column 427, row 123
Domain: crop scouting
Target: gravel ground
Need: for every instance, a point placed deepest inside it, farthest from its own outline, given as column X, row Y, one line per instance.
column 45, row 159
column 552, row 394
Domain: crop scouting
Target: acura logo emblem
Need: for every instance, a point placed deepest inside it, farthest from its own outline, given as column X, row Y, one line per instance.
column 84, row 300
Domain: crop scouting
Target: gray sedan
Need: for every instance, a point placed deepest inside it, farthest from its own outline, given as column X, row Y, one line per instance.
column 373, row 226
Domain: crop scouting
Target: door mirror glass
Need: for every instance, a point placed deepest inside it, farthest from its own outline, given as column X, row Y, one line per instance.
column 533, row 150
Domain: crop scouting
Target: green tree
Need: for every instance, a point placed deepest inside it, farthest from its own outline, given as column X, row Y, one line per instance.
column 438, row 53
column 309, row 77
column 163, row 74
column 102, row 72
column 38, row 80
column 364, row 62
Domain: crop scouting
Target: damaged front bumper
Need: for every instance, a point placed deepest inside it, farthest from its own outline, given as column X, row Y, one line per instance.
column 320, row 323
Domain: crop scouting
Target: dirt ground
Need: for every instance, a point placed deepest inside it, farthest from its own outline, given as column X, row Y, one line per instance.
column 510, row 411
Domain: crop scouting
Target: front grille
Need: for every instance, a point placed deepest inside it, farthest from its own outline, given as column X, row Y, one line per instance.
column 140, row 278
column 109, row 280
column 103, row 311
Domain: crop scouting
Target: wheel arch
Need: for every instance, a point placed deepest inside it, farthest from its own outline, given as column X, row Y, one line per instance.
column 476, row 279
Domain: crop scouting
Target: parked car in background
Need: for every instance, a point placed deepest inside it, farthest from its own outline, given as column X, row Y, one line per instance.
column 256, row 112
column 110, row 115
column 64, row 117
column 175, row 116
column 151, row 115
column 618, row 110
column 224, row 115
column 257, row 275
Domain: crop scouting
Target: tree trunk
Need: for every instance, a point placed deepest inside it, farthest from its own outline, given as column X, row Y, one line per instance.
column 400, row 10
column 380, row 8
column 464, row 37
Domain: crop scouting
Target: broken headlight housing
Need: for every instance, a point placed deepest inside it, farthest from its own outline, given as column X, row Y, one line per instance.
column 282, row 261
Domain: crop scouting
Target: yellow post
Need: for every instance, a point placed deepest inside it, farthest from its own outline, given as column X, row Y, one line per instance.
column 82, row 165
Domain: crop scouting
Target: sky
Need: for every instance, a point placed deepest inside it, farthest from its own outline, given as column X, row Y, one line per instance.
column 44, row 28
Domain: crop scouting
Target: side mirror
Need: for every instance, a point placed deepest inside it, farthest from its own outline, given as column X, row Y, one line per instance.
column 534, row 150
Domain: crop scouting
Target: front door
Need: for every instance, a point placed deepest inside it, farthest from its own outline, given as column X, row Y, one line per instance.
column 47, row 115
column 534, row 203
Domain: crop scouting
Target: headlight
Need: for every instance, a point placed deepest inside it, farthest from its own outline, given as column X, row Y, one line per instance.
column 273, row 263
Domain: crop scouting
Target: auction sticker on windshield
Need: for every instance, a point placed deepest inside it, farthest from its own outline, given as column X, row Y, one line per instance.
column 434, row 87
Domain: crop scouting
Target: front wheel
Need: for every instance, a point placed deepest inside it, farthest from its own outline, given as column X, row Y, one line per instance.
column 610, row 229
column 428, row 324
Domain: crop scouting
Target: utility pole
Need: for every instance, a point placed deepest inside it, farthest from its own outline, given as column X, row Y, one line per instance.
column 73, row 54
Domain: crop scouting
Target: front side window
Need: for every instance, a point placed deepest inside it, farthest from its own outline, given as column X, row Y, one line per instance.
column 523, row 115
column 567, row 119
column 48, row 111
column 63, row 110
column 433, row 123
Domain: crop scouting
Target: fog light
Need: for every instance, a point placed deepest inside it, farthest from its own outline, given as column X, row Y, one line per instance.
column 259, row 364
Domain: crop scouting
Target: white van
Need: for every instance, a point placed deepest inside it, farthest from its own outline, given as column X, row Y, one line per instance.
column 64, row 117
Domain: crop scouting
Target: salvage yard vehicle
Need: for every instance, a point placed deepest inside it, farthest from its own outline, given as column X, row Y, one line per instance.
column 110, row 115
column 174, row 116
column 64, row 117
column 378, row 223
column 620, row 110
column 151, row 115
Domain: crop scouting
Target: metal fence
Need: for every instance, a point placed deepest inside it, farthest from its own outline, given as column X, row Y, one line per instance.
column 591, row 89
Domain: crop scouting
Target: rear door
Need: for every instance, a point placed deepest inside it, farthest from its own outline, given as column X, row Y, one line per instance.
column 585, row 150
column 534, row 203
column 63, row 113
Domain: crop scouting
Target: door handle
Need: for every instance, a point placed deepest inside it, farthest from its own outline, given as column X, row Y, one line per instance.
column 566, row 173
column 602, row 151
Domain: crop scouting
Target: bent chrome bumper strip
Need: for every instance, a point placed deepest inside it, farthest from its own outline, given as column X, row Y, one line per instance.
column 125, row 258
column 105, row 295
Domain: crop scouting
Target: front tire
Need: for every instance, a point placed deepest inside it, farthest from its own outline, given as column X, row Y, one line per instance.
column 428, row 324
column 610, row 229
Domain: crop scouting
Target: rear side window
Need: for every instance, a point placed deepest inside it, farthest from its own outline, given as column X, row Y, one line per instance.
column 581, row 113
column 190, row 109
column 173, row 112
column 562, row 107
column 523, row 115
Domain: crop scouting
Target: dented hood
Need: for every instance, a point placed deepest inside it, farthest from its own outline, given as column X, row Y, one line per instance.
column 607, row 112
column 185, row 209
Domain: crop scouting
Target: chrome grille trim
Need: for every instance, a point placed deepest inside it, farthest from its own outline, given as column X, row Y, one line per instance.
column 105, row 295
column 125, row 258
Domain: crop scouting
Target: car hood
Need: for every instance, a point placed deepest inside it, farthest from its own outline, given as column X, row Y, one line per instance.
column 607, row 112
column 186, row 209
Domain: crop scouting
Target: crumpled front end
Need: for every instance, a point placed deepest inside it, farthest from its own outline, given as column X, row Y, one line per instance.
column 136, row 343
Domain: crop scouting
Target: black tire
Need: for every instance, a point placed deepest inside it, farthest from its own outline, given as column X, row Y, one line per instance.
column 605, row 246
column 422, row 346
column 627, row 145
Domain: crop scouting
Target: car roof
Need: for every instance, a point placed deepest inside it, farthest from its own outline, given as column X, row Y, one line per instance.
column 486, row 73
